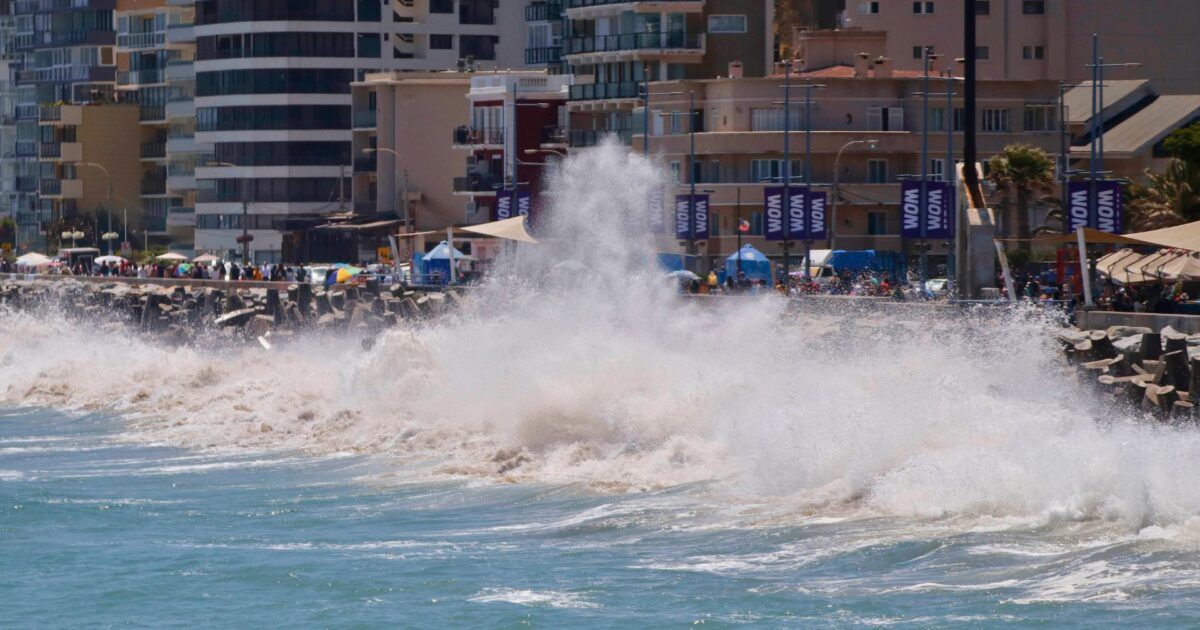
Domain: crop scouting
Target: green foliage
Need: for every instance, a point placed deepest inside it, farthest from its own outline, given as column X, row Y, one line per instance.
column 147, row 256
column 1169, row 198
column 1022, row 173
column 1184, row 144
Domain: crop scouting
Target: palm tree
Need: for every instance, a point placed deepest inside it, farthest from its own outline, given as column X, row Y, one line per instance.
column 1021, row 173
column 1168, row 199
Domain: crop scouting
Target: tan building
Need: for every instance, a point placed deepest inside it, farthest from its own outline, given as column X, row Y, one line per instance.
column 72, row 135
column 1045, row 39
column 866, row 127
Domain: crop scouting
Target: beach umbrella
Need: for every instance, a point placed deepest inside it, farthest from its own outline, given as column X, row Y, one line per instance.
column 683, row 274
column 34, row 259
column 171, row 256
column 341, row 272
column 206, row 258
column 104, row 260
column 182, row 269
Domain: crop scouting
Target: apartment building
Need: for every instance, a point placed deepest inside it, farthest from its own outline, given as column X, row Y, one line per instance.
column 273, row 99
column 65, row 51
column 866, row 122
column 89, row 169
column 544, row 28
column 9, row 65
column 1045, row 39
column 613, row 47
column 150, row 72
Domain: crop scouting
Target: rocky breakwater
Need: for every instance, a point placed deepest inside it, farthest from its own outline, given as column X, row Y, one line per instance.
column 184, row 313
column 1142, row 370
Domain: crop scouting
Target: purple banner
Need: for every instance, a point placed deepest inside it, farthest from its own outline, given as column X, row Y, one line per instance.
column 504, row 204
column 683, row 218
column 657, row 217
column 929, row 218
column 797, row 213
column 700, row 218
column 1108, row 211
column 774, row 226
column 817, row 225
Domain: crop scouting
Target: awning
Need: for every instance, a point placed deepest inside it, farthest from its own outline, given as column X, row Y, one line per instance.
column 1186, row 236
column 512, row 229
column 1093, row 237
column 360, row 227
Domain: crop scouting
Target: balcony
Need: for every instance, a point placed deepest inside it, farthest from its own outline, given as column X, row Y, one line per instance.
column 686, row 43
column 546, row 54
column 365, row 164
column 140, row 77
column 65, row 188
column 592, row 137
column 26, row 184
column 476, row 183
column 150, row 39
column 364, row 119
column 150, row 113
column 473, row 137
column 603, row 91
column 543, row 11
column 61, row 151
column 26, row 148
column 51, row 150
column 50, row 187
column 60, row 114
column 180, row 70
column 671, row 5
column 555, row 136
column 181, row 217
column 154, row 186
column 154, row 150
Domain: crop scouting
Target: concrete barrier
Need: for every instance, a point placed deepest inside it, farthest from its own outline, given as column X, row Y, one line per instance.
column 1101, row 320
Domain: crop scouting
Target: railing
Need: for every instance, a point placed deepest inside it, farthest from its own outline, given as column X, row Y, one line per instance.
column 466, row 136
column 26, row 184
column 594, row 91
column 26, row 111
column 50, row 187
column 576, row 4
column 543, row 11
column 365, row 164
column 634, row 41
column 555, row 135
column 592, row 137
column 39, row 6
column 151, row 150
column 181, row 216
column 140, row 77
column 141, row 40
column 478, row 183
column 365, row 119
column 50, row 113
column 546, row 54
column 152, row 112
column 154, row 186
column 26, row 148
column 51, row 150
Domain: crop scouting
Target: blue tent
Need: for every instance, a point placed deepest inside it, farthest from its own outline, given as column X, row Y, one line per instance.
column 755, row 264
column 435, row 265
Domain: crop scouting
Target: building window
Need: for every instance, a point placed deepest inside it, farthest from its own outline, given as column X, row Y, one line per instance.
column 772, row 171
column 925, row 7
column 368, row 46
column 937, row 119
column 960, row 119
column 885, row 119
column 726, row 24
column 995, row 120
column 869, row 8
column 877, row 223
column 937, row 169
column 441, row 42
column 441, row 6
column 1041, row 118
column 771, row 119
column 1033, row 52
column 877, row 171
column 714, row 172
column 1033, row 7
column 481, row 47
column 983, row 7
column 983, row 53
column 675, row 170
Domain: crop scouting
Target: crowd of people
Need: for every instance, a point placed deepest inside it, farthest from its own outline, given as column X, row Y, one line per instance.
column 862, row 283
column 1162, row 297
column 218, row 270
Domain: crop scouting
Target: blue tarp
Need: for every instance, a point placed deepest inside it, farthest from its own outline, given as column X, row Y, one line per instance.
column 755, row 265
column 435, row 266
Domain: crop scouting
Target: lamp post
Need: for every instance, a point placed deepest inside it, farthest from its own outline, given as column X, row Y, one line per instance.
column 836, row 186
column 107, row 199
column 245, row 238
column 1096, row 161
column 737, row 226
column 402, row 175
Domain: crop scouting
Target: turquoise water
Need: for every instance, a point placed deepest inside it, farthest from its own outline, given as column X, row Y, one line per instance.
column 99, row 532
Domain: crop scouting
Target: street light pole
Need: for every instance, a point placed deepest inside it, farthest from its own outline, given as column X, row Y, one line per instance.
column 837, row 174
column 402, row 176
column 646, row 109
column 738, row 227
column 107, row 198
column 924, row 260
column 787, row 169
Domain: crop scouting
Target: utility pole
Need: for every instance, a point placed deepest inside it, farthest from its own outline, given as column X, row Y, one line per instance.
column 924, row 223
column 787, row 170
column 738, row 226
column 970, row 151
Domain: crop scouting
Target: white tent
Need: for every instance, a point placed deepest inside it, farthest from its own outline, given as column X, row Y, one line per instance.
column 34, row 259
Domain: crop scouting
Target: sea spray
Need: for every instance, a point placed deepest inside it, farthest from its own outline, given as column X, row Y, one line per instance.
column 577, row 363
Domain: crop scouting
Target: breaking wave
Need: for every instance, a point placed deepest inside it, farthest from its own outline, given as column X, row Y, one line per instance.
column 577, row 364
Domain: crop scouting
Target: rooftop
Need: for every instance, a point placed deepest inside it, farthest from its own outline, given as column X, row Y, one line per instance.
column 1150, row 125
column 1118, row 96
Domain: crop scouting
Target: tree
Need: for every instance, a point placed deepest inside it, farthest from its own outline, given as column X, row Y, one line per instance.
column 1184, row 144
column 1170, row 198
column 1022, row 174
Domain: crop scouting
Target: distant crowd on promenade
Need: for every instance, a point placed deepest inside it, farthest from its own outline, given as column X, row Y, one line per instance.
column 230, row 271
column 862, row 283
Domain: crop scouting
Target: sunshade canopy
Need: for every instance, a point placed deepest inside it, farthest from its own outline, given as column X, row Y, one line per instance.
column 512, row 229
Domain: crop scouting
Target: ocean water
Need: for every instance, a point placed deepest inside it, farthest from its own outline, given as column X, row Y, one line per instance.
column 577, row 446
column 96, row 531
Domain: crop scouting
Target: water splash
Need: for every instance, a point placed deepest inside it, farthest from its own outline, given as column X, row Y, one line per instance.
column 576, row 363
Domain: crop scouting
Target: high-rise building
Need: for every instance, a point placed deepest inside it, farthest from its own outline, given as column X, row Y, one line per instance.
column 1046, row 39
column 613, row 47
column 273, row 99
column 66, row 57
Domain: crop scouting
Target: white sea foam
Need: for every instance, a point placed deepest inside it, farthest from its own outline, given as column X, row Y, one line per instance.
column 552, row 599
column 593, row 372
